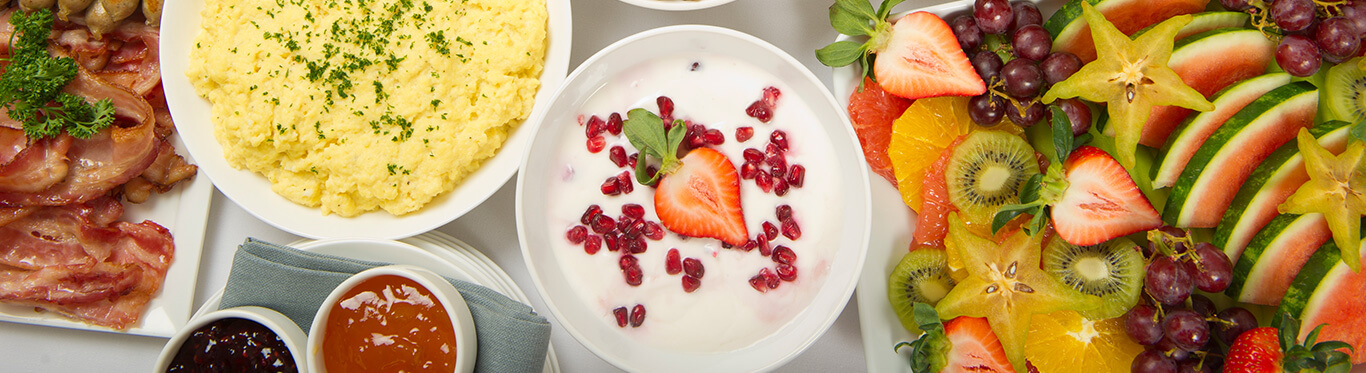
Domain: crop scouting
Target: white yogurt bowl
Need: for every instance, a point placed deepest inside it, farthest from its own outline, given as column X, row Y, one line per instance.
column 445, row 293
column 676, row 4
column 289, row 333
column 833, row 205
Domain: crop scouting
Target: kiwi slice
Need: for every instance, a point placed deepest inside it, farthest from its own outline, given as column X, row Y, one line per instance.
column 1112, row 270
column 988, row 170
column 1345, row 92
column 922, row 276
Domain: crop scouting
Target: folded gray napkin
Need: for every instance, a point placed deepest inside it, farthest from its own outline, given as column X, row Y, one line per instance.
column 512, row 337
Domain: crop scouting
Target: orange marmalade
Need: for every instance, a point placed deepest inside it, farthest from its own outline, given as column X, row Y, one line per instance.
column 388, row 324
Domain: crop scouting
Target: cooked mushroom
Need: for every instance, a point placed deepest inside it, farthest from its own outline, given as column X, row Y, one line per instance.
column 105, row 15
column 69, row 7
column 152, row 10
column 32, row 5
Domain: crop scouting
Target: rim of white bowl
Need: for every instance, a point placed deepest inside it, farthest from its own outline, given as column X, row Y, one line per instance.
column 289, row 332
column 676, row 5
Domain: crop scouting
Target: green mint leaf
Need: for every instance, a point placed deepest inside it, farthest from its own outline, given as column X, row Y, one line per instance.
column 1004, row 217
column 1082, row 140
column 858, row 8
column 641, row 170
column 674, row 139
column 1037, row 223
column 1358, row 130
column 840, row 53
column 1031, row 189
column 927, row 318
column 1062, row 133
column 885, row 9
column 848, row 23
column 645, row 130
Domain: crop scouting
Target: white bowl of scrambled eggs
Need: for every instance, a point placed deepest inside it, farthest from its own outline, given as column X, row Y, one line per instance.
column 327, row 121
column 676, row 4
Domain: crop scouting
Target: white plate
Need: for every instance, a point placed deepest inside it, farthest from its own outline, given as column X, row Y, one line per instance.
column 676, row 4
column 185, row 212
column 585, row 320
column 435, row 251
column 252, row 191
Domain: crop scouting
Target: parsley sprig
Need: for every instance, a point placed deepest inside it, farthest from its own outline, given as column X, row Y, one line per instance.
column 31, row 86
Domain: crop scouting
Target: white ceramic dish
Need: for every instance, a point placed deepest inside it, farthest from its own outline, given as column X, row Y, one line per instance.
column 435, row 251
column 676, row 4
column 466, row 346
column 252, row 191
column 289, row 333
column 185, row 212
column 584, row 321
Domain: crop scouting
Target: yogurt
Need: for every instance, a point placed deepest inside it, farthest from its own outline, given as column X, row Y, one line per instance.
column 726, row 312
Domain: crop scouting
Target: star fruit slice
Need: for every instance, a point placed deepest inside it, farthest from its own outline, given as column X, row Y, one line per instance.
column 1131, row 76
column 1336, row 189
column 1006, row 286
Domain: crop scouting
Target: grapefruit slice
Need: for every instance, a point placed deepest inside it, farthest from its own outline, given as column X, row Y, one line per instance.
column 872, row 112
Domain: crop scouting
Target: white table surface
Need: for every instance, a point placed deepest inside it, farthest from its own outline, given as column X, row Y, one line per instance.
column 797, row 26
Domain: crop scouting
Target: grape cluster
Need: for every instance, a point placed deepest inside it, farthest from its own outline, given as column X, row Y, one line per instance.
column 1009, row 48
column 1310, row 31
column 1177, row 325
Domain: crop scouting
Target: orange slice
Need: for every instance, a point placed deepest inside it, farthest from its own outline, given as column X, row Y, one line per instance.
column 921, row 133
column 1064, row 341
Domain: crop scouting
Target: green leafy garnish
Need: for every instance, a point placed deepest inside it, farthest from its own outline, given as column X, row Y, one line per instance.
column 31, row 86
column 646, row 132
column 1041, row 190
column 857, row 18
column 929, row 353
column 1311, row 355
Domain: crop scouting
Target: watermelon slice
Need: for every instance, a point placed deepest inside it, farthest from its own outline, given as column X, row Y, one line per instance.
column 1268, row 266
column 1072, row 34
column 1209, row 62
column 1188, row 138
column 1271, row 184
column 1228, row 157
column 1206, row 21
column 1327, row 292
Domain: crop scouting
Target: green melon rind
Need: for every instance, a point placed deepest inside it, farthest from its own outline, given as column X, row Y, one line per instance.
column 1184, row 137
column 1327, row 259
column 1265, row 255
column 1206, row 21
column 1266, row 107
column 1236, row 229
column 1069, row 18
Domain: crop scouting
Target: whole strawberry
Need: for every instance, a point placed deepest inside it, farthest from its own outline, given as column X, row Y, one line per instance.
column 1273, row 350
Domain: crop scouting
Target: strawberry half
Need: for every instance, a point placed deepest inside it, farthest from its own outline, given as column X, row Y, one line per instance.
column 1101, row 201
column 1274, row 350
column 701, row 198
column 975, row 347
column 1257, row 350
column 698, row 195
column 922, row 58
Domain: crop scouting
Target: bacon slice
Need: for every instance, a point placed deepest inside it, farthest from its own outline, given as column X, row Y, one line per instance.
column 36, row 168
column 79, row 261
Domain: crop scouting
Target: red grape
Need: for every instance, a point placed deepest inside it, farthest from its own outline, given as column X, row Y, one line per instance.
column 993, row 16
column 1152, row 361
column 1216, row 270
column 965, row 28
column 1232, row 323
column 1292, row 15
column 1022, row 77
column 986, row 109
column 1141, row 324
column 988, row 65
column 1167, row 281
column 1078, row 114
column 1026, row 13
column 1235, row 5
column 1059, row 66
column 1187, row 329
column 1338, row 37
column 1032, row 42
column 1298, row 55
column 1034, row 112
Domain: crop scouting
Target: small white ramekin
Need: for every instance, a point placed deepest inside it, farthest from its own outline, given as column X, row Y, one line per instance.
column 293, row 337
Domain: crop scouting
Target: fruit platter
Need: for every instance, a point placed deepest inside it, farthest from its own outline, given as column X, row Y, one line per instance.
column 1063, row 219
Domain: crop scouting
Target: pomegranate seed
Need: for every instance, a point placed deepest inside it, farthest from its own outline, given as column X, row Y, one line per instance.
column 770, row 278
column 577, row 234
column 759, row 283
column 749, row 170
column 762, row 179
column 610, row 239
column 777, row 165
column 633, row 210
column 796, row 176
column 694, row 137
column 637, row 245
column 592, row 244
column 624, row 182
column 779, row 186
column 758, row 110
column 633, row 275
column 595, row 144
column 787, row 272
column 666, row 107
column 610, row 187
column 672, row 264
column 726, row 245
column 595, row 127
column 770, row 231
column 589, row 214
column 749, row 245
column 784, row 255
column 791, row 230
column 614, row 124
column 631, row 159
column 637, row 315
column 621, row 313
column 784, row 213
column 764, row 248
column 603, row 224
column 654, row 231
column 624, row 223
column 779, row 138
column 693, row 267
column 690, row 284
column 627, row 261
column 714, row 137
column 772, row 150
column 743, row 134
column 617, row 155
column 753, row 155
column 771, row 95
